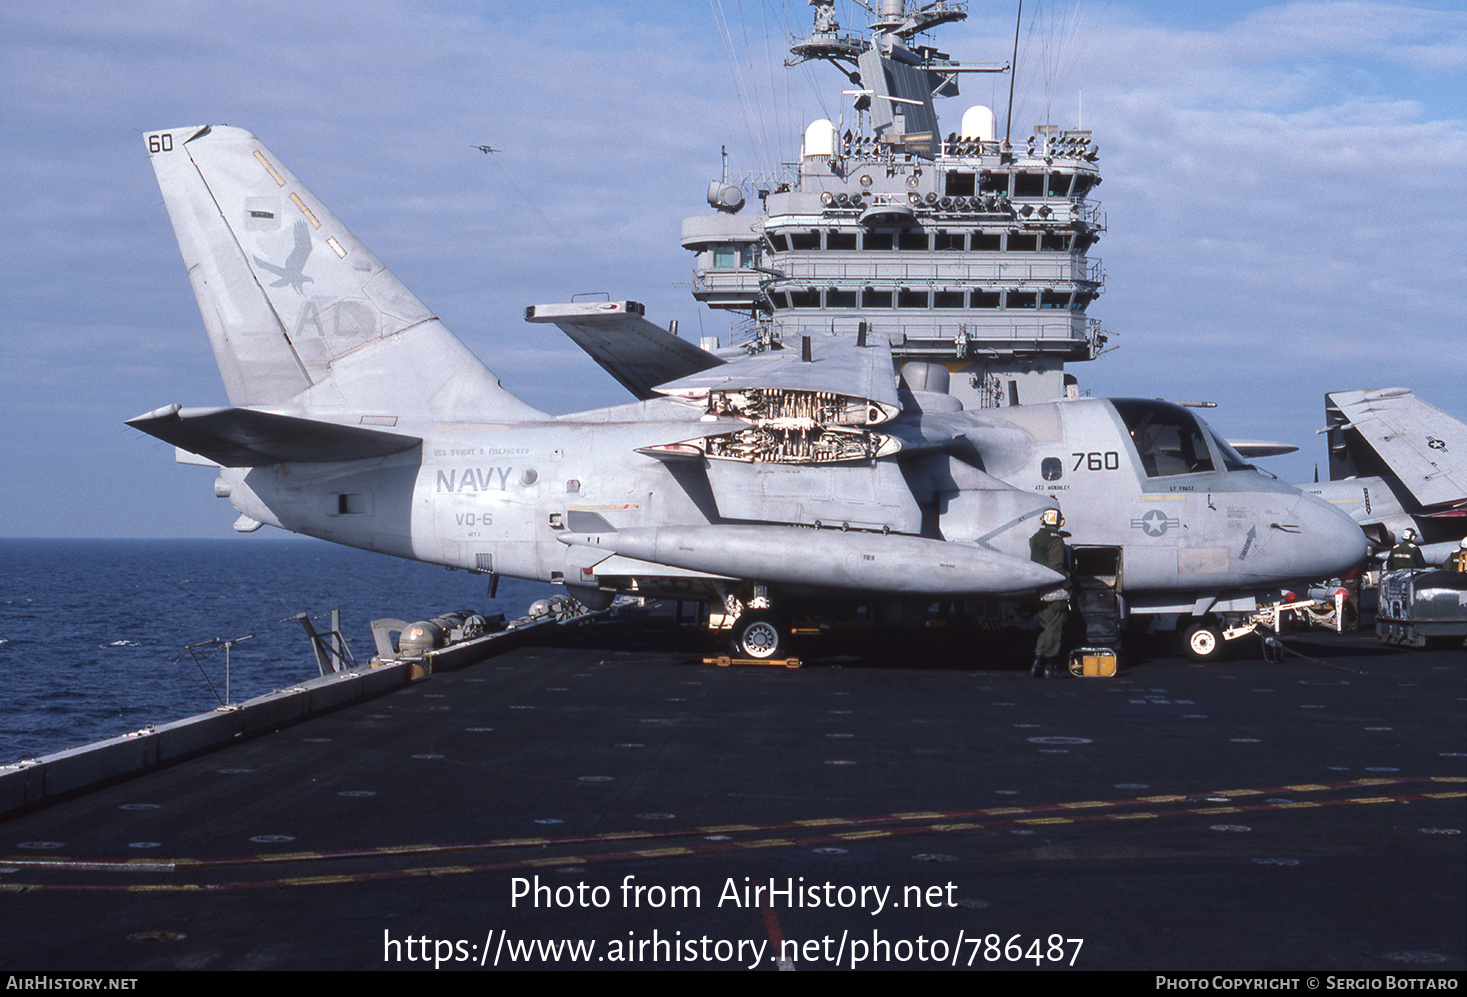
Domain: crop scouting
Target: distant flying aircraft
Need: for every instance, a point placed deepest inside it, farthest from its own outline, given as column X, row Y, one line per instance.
column 355, row 416
column 486, row 149
column 1395, row 463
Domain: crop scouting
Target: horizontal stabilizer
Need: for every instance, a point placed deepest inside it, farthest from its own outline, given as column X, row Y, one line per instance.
column 638, row 353
column 238, row 437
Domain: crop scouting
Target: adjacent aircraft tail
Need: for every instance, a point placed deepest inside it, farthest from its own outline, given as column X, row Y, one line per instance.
column 302, row 317
column 1390, row 433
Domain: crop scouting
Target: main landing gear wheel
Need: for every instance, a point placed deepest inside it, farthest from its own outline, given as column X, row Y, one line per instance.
column 758, row 635
column 1204, row 642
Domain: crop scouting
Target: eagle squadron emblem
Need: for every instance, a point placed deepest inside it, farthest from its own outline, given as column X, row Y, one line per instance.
column 293, row 273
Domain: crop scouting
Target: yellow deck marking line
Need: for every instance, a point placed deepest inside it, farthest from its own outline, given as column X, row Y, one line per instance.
column 720, row 847
column 157, row 865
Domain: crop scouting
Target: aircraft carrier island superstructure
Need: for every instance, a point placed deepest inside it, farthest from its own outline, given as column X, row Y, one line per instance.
column 968, row 251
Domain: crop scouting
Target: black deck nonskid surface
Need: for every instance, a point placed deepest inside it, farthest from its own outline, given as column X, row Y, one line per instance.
column 1240, row 815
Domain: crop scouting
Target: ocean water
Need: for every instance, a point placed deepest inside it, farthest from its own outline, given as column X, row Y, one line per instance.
column 93, row 632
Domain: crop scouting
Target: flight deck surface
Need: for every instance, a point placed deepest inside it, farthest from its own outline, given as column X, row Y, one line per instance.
column 604, row 800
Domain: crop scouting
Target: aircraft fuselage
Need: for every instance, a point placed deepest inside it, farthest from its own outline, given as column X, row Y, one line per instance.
column 504, row 498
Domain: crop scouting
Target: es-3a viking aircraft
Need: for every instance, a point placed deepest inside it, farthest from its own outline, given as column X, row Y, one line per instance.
column 357, row 417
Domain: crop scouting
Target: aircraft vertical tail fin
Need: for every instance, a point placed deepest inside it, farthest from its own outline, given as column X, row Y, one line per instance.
column 300, row 313
column 1392, row 434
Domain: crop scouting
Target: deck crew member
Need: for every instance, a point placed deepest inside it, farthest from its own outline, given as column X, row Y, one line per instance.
column 1047, row 547
column 1406, row 554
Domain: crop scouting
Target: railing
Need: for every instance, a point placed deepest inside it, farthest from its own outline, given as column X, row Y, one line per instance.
column 964, row 339
column 738, row 281
column 1060, row 266
column 972, row 338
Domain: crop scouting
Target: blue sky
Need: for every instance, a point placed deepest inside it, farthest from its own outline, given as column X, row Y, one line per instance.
column 1283, row 188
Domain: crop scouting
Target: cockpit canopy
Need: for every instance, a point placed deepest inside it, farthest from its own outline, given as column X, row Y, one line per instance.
column 1171, row 440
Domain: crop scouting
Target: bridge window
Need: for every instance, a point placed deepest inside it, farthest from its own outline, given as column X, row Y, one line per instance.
column 727, row 256
column 959, row 185
column 987, row 242
column 913, row 241
column 840, row 240
column 1028, row 184
column 947, row 299
column 1023, row 243
column 872, row 298
column 1059, row 184
column 994, row 183
column 877, row 240
column 949, row 241
column 907, row 298
column 836, row 298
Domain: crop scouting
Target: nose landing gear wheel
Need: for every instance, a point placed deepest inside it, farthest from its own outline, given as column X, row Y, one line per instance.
column 1204, row 643
column 758, row 635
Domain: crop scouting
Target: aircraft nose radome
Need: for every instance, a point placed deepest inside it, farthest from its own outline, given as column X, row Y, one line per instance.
column 1329, row 542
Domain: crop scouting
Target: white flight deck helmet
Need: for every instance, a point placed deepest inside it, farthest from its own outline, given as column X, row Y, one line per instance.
column 1409, row 536
column 1052, row 518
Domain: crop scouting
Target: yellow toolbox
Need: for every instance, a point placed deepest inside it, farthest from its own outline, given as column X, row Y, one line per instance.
column 1093, row 662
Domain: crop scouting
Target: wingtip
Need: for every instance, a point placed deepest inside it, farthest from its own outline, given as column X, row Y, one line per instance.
column 166, row 412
